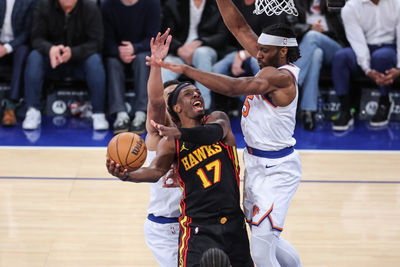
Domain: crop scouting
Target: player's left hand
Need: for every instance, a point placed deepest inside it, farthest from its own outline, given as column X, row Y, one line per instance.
column 163, row 130
column 170, row 180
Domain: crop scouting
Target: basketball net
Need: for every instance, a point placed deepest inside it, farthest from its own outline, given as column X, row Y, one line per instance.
column 275, row 7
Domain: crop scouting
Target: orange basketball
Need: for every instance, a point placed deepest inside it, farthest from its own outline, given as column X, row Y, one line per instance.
column 128, row 150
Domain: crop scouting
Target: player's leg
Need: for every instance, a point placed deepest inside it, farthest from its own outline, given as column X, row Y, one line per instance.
column 162, row 239
column 264, row 240
column 195, row 239
column 287, row 255
column 258, row 194
column 272, row 189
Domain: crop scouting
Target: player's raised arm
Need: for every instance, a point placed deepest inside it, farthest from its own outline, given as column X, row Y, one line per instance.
column 222, row 84
column 156, row 107
column 238, row 26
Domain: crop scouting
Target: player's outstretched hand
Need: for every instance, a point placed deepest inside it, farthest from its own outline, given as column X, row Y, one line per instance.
column 163, row 130
column 159, row 48
column 116, row 170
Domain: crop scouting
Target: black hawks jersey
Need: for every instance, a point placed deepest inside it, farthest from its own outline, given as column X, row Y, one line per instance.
column 209, row 177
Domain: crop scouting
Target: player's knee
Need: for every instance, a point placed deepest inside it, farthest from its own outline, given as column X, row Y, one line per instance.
column 287, row 255
column 263, row 246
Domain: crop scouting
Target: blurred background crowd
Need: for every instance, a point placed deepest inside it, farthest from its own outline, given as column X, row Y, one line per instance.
column 87, row 57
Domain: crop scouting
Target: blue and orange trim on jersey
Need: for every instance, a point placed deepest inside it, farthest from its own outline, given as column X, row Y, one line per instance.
column 269, row 101
column 266, row 215
column 291, row 72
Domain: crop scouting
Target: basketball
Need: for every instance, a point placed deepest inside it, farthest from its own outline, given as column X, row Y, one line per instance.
column 128, row 150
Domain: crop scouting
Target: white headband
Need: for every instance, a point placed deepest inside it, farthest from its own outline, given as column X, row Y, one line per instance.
column 267, row 39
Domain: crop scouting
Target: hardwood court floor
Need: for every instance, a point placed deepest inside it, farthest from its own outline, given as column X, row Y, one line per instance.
column 59, row 207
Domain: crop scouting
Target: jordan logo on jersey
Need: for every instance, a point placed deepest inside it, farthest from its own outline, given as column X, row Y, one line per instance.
column 183, row 147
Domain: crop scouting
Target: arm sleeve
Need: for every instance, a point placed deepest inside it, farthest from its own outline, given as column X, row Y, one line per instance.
column 206, row 134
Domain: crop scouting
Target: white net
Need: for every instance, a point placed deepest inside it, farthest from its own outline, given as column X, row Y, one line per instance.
column 275, row 7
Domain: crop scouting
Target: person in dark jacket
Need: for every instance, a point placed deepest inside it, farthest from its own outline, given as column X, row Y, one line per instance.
column 15, row 23
column 67, row 38
column 128, row 27
column 198, row 37
column 321, row 34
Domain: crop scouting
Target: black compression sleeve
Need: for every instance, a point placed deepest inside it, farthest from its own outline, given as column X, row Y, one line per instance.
column 206, row 134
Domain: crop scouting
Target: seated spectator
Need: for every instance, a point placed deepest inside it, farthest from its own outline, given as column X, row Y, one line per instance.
column 15, row 21
column 238, row 62
column 128, row 28
column 322, row 35
column 67, row 37
column 371, row 28
column 198, row 37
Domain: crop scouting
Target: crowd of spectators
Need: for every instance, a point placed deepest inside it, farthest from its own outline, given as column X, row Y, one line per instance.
column 103, row 42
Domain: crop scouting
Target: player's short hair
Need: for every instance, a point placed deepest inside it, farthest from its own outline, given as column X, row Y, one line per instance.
column 214, row 257
column 169, row 83
column 284, row 30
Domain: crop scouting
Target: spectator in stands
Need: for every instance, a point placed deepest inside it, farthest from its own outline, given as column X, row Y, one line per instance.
column 199, row 36
column 15, row 23
column 322, row 35
column 128, row 28
column 238, row 62
column 67, row 37
column 373, row 30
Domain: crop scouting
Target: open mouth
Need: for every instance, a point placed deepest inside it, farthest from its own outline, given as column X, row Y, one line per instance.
column 198, row 105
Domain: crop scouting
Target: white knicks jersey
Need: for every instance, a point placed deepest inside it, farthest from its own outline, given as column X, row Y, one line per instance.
column 163, row 201
column 266, row 126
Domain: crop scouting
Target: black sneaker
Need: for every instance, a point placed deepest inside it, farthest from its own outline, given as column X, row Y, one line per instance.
column 138, row 124
column 121, row 125
column 344, row 120
column 308, row 120
column 382, row 115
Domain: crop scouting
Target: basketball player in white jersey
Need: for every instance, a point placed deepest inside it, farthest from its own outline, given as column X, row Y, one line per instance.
column 272, row 166
column 161, row 228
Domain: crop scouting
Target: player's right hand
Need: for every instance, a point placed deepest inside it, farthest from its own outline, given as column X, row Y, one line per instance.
column 116, row 170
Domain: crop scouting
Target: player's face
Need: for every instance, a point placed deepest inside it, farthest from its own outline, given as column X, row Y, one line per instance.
column 268, row 55
column 191, row 101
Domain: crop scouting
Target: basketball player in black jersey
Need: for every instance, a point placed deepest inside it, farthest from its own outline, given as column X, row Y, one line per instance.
column 205, row 152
